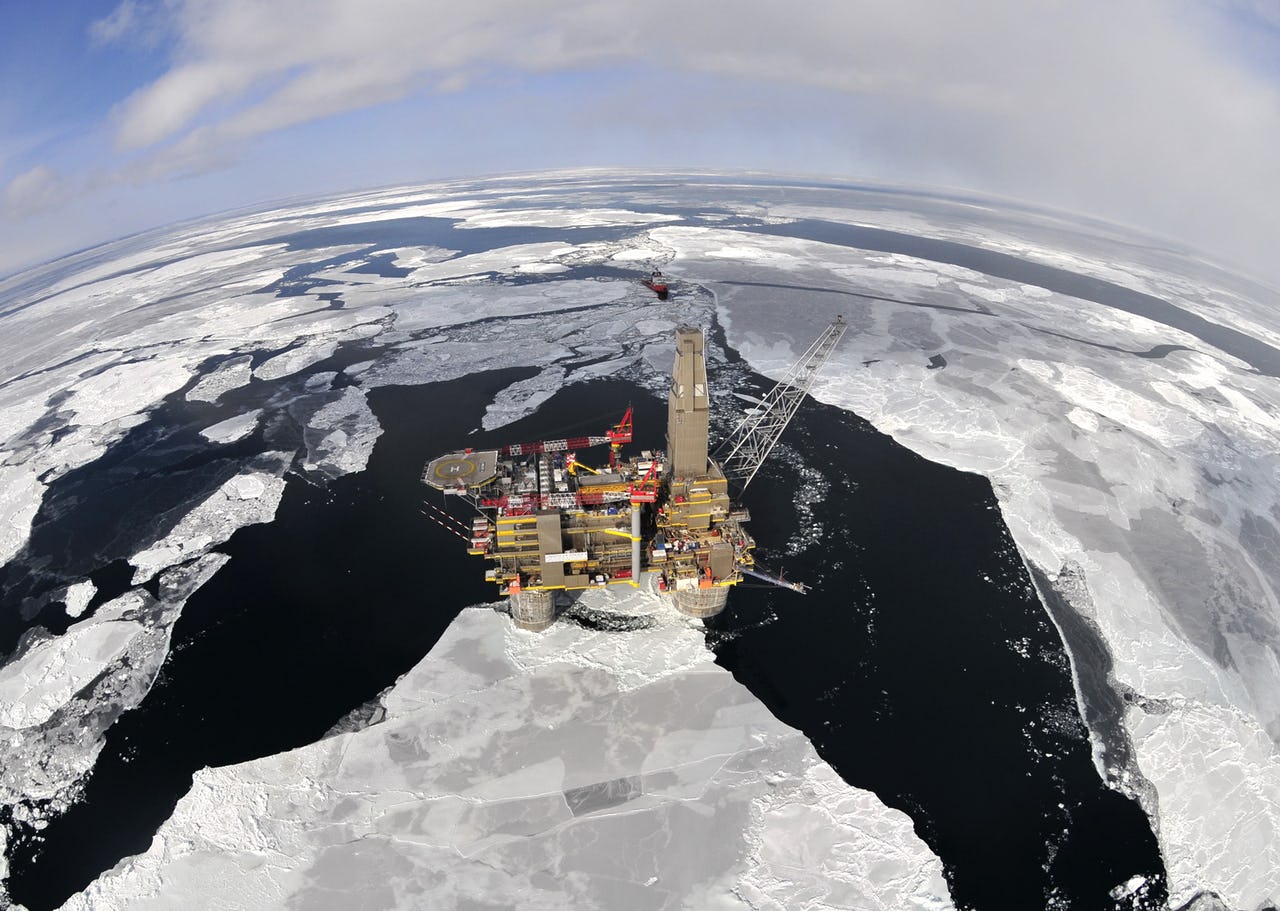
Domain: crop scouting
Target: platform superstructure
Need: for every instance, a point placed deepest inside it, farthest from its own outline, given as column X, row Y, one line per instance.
column 550, row 522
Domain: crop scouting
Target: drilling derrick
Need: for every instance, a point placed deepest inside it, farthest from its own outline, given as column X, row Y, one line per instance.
column 701, row 544
column 687, row 415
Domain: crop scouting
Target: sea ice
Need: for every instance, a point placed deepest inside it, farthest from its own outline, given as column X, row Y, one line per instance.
column 522, row 398
column 20, row 496
column 61, row 694
column 1138, row 470
column 341, row 435
column 246, row 499
column 77, row 597
column 229, row 375
column 126, row 390
column 294, row 360
column 41, row 681
column 1160, row 464
column 233, row 429
column 519, row 770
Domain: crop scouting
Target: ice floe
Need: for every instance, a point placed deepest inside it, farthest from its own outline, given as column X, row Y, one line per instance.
column 340, row 436
column 232, row 374
column 294, row 360
column 233, row 428
column 20, row 496
column 520, row 770
column 249, row 498
column 77, row 597
column 39, row 683
column 61, row 694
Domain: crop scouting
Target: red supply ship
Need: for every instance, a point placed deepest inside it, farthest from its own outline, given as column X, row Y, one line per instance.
column 657, row 282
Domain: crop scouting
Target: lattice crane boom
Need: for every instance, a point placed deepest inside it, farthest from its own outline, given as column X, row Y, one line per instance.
column 745, row 449
column 617, row 435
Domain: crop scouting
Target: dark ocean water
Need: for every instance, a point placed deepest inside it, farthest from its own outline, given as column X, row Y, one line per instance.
column 898, row 666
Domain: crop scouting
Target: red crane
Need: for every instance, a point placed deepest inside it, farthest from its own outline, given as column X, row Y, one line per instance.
column 620, row 433
column 646, row 489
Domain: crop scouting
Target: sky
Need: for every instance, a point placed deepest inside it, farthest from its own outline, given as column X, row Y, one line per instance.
column 1163, row 115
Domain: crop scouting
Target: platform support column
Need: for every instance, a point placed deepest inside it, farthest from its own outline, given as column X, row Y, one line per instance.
column 635, row 543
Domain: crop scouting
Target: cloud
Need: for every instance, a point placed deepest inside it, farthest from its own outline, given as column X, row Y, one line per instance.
column 33, row 192
column 1127, row 111
column 141, row 22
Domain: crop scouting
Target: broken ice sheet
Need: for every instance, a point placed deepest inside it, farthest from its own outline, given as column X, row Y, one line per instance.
column 341, row 435
column 61, row 694
column 230, row 374
column 233, row 429
column 536, row 784
column 248, row 498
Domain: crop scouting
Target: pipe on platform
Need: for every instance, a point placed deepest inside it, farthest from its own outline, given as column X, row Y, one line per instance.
column 635, row 543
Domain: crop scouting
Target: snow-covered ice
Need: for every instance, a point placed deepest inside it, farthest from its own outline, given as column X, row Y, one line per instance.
column 340, row 436
column 233, row 428
column 20, row 496
column 295, row 359
column 77, row 597
column 1155, row 476
column 232, row 374
column 61, row 694
column 530, row 771
column 39, row 683
column 247, row 499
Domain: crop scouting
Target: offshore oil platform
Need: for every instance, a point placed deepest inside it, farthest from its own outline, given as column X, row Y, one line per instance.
column 552, row 524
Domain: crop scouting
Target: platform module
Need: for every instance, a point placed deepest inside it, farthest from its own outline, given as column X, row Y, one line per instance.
column 550, row 522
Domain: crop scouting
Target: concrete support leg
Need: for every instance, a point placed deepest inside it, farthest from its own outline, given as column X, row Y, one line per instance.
column 702, row 602
column 534, row 611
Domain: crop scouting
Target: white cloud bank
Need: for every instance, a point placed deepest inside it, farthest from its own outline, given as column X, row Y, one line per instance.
column 1143, row 112
column 1129, row 111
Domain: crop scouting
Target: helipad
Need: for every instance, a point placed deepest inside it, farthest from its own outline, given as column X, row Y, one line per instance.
column 461, row 469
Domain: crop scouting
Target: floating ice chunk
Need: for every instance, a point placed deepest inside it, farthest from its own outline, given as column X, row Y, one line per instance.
column 522, row 398
column 341, row 435
column 319, row 381
column 246, row 499
column 20, row 496
column 232, row 429
column 1128, row 887
column 67, row 691
column 229, row 375
column 77, row 597
column 540, row 268
column 41, row 681
column 485, row 761
column 413, row 257
column 126, row 389
column 295, row 359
